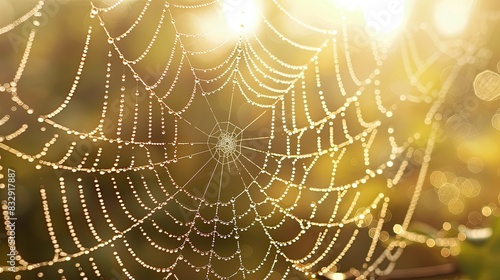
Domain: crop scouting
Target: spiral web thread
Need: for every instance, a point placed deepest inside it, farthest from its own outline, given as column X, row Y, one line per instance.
column 234, row 161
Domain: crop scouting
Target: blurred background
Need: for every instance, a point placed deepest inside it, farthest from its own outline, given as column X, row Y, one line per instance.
column 383, row 112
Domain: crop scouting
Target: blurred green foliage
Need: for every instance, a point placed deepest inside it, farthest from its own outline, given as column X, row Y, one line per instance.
column 480, row 259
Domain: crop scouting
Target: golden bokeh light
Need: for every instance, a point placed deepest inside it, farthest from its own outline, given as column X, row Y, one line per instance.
column 487, row 85
column 242, row 16
column 451, row 17
column 247, row 139
column 382, row 18
column 495, row 120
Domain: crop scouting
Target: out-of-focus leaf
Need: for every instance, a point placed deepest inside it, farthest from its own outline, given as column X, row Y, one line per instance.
column 480, row 260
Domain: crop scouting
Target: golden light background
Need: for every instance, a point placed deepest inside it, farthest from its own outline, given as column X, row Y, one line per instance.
column 246, row 139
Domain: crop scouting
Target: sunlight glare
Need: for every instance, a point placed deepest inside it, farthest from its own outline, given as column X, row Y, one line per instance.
column 241, row 15
column 352, row 4
column 382, row 17
column 452, row 16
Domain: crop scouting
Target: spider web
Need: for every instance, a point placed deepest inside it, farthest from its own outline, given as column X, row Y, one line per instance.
column 182, row 150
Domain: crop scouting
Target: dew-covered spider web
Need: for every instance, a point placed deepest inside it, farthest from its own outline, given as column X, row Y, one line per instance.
column 220, row 139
